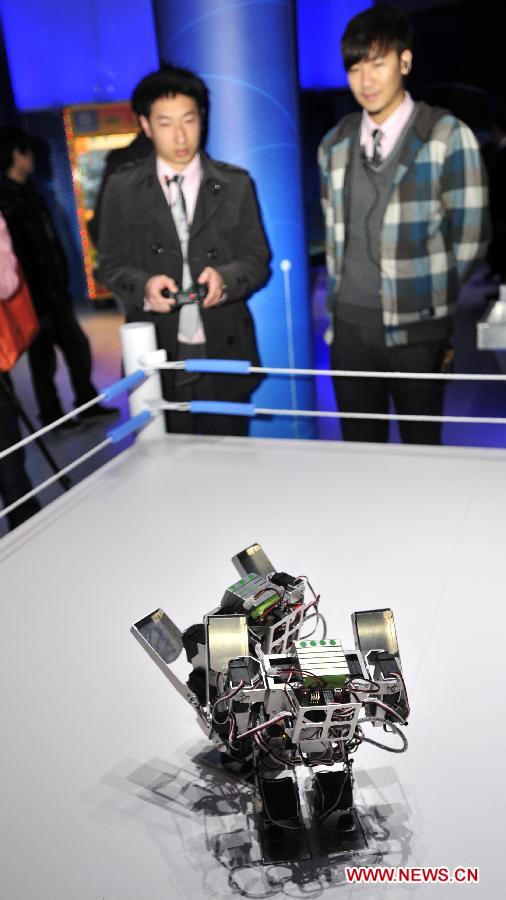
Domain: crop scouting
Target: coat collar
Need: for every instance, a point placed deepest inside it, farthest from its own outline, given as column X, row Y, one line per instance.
column 214, row 184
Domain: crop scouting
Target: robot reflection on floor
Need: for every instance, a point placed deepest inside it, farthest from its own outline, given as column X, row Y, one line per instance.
column 272, row 697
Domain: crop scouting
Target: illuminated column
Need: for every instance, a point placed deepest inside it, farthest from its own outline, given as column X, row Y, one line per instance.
column 246, row 53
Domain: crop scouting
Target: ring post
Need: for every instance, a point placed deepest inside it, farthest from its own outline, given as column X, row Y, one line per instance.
column 138, row 338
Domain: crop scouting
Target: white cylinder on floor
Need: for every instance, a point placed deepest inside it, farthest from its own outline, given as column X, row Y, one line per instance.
column 138, row 338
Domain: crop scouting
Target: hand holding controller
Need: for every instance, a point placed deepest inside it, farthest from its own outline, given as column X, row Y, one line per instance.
column 196, row 294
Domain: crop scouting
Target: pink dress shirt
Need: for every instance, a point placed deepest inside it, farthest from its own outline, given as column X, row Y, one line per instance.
column 391, row 128
column 192, row 176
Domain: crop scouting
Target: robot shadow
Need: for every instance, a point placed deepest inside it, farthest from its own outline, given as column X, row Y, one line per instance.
column 221, row 825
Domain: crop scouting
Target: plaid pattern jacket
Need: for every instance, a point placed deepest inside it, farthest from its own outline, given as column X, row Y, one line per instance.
column 435, row 227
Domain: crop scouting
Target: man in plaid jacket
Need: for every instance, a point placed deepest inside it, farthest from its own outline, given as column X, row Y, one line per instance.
column 404, row 199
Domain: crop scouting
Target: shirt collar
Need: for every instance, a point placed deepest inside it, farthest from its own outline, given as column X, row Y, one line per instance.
column 192, row 170
column 400, row 115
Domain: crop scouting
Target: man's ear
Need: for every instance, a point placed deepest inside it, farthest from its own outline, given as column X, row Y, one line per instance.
column 146, row 126
column 406, row 61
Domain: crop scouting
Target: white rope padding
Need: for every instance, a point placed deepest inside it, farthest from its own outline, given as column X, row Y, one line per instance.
column 46, row 428
column 53, row 478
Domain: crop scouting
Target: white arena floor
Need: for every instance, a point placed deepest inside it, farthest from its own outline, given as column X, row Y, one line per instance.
column 103, row 796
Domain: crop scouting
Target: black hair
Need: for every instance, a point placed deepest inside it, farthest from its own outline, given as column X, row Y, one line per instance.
column 373, row 32
column 11, row 139
column 166, row 82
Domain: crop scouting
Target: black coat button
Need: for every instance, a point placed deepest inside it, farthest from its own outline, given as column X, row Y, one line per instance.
column 214, row 187
column 156, row 249
column 212, row 254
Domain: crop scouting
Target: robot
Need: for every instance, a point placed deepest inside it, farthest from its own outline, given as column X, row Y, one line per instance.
column 274, row 699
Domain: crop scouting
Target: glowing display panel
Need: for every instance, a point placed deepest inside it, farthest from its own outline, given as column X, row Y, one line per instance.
column 91, row 132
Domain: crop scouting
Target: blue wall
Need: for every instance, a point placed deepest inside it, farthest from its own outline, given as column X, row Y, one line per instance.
column 77, row 51
column 81, row 51
column 320, row 24
column 246, row 52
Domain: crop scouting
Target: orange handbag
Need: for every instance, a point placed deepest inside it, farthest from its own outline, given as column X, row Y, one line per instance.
column 18, row 325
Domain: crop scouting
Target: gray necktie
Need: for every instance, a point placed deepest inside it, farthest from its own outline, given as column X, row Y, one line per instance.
column 376, row 157
column 189, row 315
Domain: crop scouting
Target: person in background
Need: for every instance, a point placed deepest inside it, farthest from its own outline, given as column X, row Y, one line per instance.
column 43, row 262
column 405, row 203
column 14, row 481
column 176, row 220
column 134, row 152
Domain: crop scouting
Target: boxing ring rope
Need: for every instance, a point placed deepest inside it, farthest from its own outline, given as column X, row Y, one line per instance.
column 215, row 407
column 157, row 360
column 146, row 402
column 114, row 435
column 109, row 393
column 242, row 367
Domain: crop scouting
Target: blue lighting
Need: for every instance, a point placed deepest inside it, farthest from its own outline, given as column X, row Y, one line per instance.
column 245, row 51
column 320, row 25
column 63, row 52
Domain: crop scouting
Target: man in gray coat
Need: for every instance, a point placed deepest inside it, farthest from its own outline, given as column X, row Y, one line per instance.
column 180, row 219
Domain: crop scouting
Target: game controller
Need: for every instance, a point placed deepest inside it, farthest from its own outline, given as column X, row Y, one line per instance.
column 196, row 294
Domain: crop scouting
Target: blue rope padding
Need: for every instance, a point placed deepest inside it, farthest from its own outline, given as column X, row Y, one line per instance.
column 121, row 431
column 224, row 366
column 219, row 407
column 124, row 384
